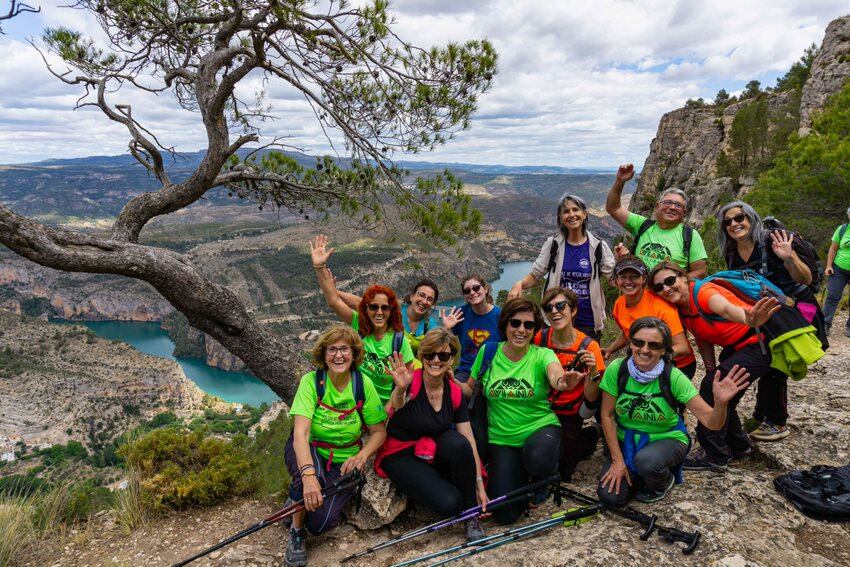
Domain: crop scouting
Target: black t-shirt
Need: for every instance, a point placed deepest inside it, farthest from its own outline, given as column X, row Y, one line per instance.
column 418, row 419
column 777, row 273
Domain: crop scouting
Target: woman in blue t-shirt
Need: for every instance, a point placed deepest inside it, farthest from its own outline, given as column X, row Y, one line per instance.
column 475, row 323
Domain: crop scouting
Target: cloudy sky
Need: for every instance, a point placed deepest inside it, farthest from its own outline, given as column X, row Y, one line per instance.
column 579, row 83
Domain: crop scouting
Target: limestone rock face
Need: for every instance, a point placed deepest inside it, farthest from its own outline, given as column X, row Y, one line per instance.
column 830, row 69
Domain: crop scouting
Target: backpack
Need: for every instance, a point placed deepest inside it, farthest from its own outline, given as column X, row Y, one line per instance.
column 746, row 285
column 663, row 382
column 822, row 493
column 687, row 237
column 357, row 389
column 570, row 407
column 454, row 390
column 553, row 258
column 807, row 253
column 478, row 403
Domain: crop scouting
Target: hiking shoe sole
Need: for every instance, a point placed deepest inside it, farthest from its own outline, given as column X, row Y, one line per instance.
column 701, row 465
column 760, row 436
column 655, row 495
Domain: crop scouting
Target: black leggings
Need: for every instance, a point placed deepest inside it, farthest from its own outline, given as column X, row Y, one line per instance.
column 511, row 467
column 446, row 487
column 577, row 443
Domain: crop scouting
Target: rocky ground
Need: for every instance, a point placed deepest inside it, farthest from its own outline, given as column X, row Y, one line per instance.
column 744, row 521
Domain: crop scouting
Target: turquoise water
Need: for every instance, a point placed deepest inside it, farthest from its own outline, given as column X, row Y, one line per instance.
column 149, row 338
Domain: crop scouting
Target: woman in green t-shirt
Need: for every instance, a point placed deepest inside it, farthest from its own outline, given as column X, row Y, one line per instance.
column 377, row 319
column 645, row 433
column 838, row 271
column 326, row 436
column 524, row 434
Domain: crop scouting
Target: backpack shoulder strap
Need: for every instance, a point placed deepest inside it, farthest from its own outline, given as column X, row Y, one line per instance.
column 553, row 255
column 487, row 361
column 398, row 339
column 319, row 380
column 666, row 389
column 359, row 391
column 763, row 252
column 544, row 337
column 597, row 258
column 643, row 228
column 687, row 238
column 415, row 385
column 456, row 394
column 842, row 231
column 622, row 376
column 585, row 342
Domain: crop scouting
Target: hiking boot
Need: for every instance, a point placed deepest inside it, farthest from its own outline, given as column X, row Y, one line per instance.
column 474, row 531
column 698, row 460
column 751, row 424
column 770, row 432
column 296, row 549
column 739, row 455
column 541, row 493
column 647, row 495
column 589, row 440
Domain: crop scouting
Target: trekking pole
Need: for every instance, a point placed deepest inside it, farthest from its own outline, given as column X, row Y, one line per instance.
column 568, row 518
column 496, row 503
column 352, row 480
column 560, row 516
column 668, row 534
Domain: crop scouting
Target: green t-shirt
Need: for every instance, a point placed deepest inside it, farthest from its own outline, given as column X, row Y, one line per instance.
column 517, row 403
column 842, row 257
column 651, row 415
column 376, row 359
column 658, row 244
column 326, row 425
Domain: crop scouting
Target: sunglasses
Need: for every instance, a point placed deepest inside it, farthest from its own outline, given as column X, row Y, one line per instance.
column 375, row 307
column 674, row 204
column 476, row 288
column 668, row 281
column 737, row 219
column 442, row 356
column 557, row 306
column 517, row 323
column 651, row 344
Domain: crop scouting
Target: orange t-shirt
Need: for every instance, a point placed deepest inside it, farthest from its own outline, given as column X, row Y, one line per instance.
column 568, row 402
column 722, row 333
column 650, row 305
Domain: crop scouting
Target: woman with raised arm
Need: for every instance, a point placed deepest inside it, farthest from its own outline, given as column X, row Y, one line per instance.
column 377, row 320
column 574, row 259
column 430, row 453
column 643, row 399
column 333, row 407
column 716, row 316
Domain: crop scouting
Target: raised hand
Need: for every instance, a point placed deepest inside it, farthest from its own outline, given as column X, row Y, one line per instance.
column 761, row 311
column 400, row 372
column 625, row 172
column 516, row 291
column 781, row 243
column 452, row 318
column 726, row 388
column 620, row 250
column 588, row 360
column 569, row 380
column 319, row 251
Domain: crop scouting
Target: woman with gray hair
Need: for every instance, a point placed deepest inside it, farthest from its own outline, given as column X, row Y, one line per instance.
column 838, row 271
column 776, row 255
column 573, row 259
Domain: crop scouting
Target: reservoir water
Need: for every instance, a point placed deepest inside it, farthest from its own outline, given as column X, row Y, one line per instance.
column 238, row 387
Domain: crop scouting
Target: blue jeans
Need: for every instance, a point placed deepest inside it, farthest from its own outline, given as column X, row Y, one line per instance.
column 834, row 289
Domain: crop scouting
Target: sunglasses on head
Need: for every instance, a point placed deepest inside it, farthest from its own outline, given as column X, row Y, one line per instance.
column 375, row 307
column 517, row 323
column 668, row 281
column 557, row 306
column 651, row 344
column 476, row 288
column 442, row 356
column 727, row 222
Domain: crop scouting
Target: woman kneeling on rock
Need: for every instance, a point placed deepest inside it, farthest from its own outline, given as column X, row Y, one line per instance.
column 332, row 409
column 430, row 453
column 644, row 396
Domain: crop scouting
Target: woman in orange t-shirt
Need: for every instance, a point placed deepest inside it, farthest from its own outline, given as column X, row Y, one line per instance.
column 635, row 302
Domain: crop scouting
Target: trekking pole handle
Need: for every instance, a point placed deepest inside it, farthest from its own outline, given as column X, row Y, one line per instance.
column 650, row 527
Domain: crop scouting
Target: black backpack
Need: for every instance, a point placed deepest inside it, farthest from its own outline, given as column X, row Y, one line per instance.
column 822, row 493
column 553, row 255
column 807, row 253
column 687, row 237
column 841, row 232
column 663, row 381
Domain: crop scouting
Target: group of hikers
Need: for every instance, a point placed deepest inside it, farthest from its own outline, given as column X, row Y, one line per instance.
column 491, row 398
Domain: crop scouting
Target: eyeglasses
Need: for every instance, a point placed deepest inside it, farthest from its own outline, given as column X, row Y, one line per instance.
column 476, row 288
column 673, row 204
column 425, row 297
column 375, row 307
column 668, row 281
column 651, row 344
column 343, row 350
column 557, row 306
column 727, row 222
column 442, row 356
column 517, row 323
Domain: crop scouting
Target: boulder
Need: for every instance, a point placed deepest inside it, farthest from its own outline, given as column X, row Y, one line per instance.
column 381, row 503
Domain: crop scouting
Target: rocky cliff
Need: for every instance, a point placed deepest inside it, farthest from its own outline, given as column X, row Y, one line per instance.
column 686, row 147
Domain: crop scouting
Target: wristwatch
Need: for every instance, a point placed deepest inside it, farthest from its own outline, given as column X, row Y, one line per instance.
column 596, row 378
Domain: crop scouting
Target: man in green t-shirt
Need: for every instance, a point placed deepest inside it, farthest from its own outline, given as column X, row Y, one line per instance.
column 838, row 271
column 665, row 238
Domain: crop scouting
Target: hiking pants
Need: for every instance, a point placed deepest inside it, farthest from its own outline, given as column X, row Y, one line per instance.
column 591, row 332
column 328, row 515
column 772, row 398
column 512, row 467
column 577, row 443
column 654, row 464
column 445, row 487
column 731, row 438
column 834, row 289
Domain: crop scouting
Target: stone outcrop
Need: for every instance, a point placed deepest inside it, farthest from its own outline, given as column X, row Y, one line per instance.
column 381, row 502
column 830, row 70
column 220, row 357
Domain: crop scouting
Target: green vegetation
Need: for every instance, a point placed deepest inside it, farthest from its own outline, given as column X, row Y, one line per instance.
column 15, row 362
column 267, row 452
column 188, row 342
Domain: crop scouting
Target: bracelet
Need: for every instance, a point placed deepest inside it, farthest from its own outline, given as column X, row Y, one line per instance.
column 305, row 468
column 596, row 378
column 317, row 266
column 313, row 473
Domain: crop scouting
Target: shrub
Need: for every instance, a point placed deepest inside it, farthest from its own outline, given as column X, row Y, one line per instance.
column 179, row 469
column 267, row 449
column 129, row 505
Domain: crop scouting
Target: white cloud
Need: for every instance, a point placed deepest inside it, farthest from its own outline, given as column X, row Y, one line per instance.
column 579, row 83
